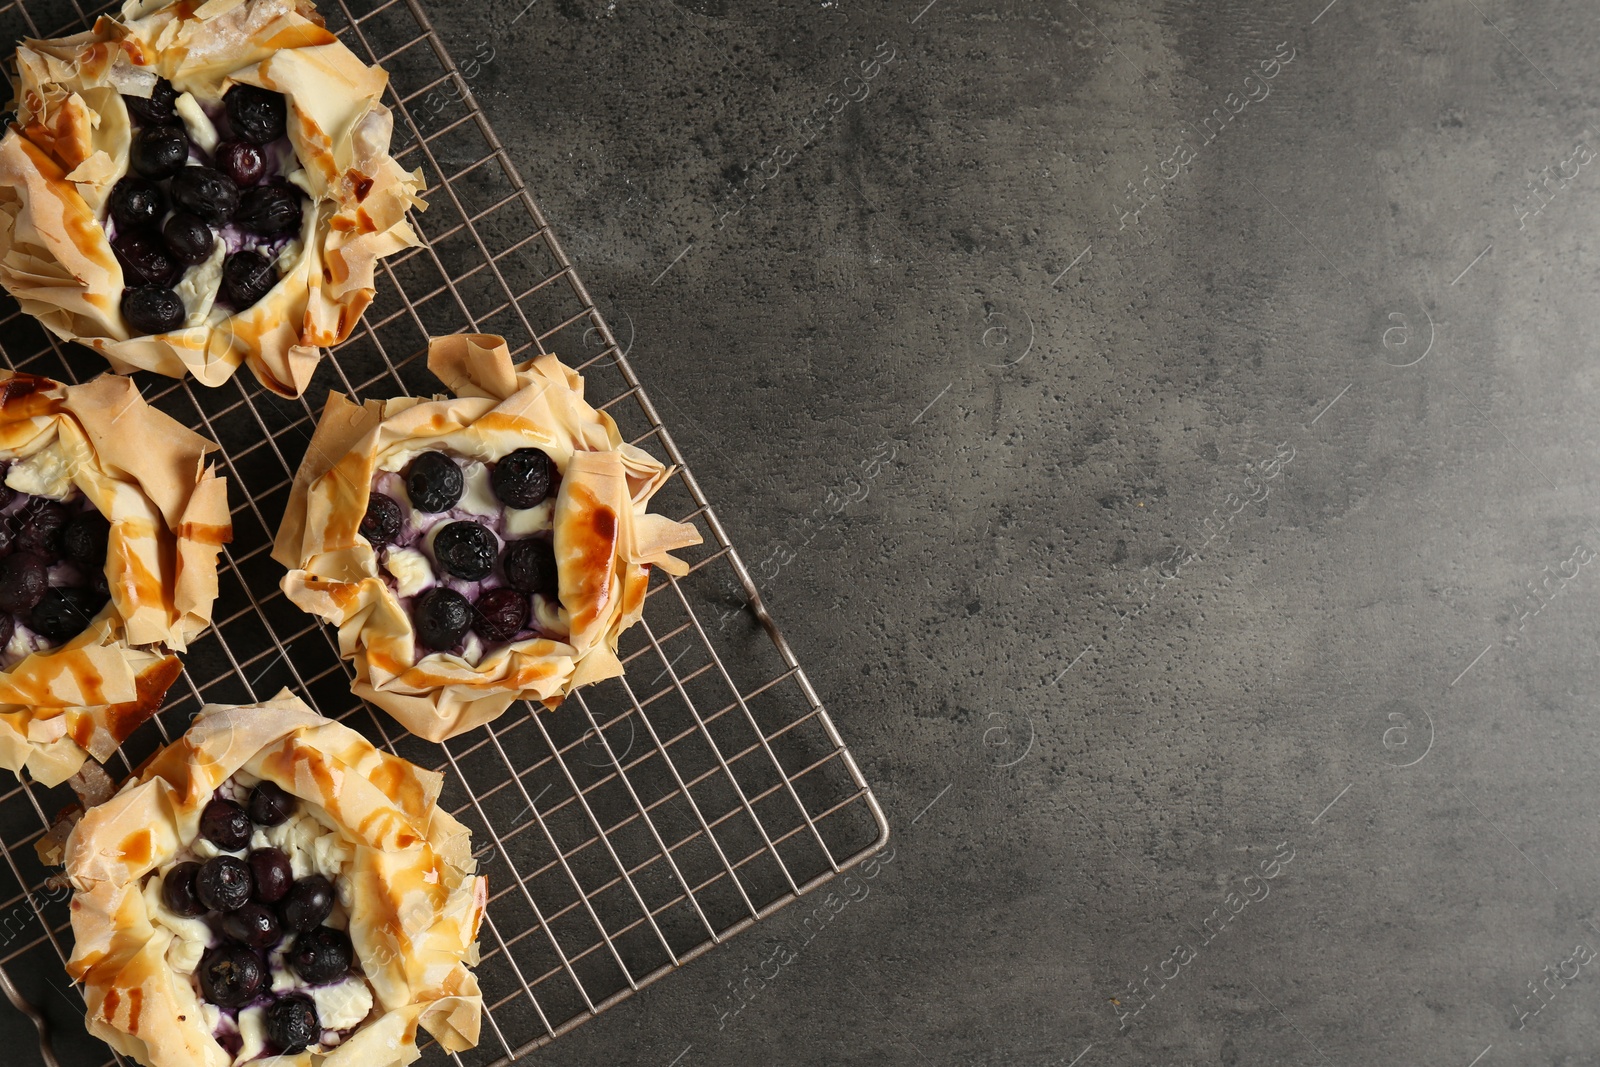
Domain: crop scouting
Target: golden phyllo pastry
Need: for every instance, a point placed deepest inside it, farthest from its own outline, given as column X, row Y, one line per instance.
column 111, row 526
column 476, row 551
column 192, row 186
column 272, row 885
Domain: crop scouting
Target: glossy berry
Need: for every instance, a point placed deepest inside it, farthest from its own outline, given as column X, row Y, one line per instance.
column 63, row 613
column 381, row 524
column 159, row 151
column 270, row 804
column 256, row 114
column 157, row 108
column 443, row 617
column 246, row 278
column 500, row 614
column 7, row 494
column 321, row 956
column 137, row 204
column 270, row 870
column 152, row 309
column 231, row 976
column 521, row 479
column 8, row 626
column 268, row 210
column 145, row 259
column 177, row 891
column 530, row 566
column 225, row 825
column 465, row 549
column 223, row 883
column 434, row 482
column 84, row 539
column 242, row 161
column 187, row 237
column 308, row 902
column 39, row 527
column 23, row 582
column 293, row 1025
column 205, row 191
column 254, row 925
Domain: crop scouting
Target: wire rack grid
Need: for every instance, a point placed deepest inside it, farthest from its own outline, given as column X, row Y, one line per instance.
column 648, row 819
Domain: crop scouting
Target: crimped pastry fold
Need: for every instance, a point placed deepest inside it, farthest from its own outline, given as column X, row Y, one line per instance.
column 169, row 520
column 70, row 146
column 605, row 539
column 416, row 903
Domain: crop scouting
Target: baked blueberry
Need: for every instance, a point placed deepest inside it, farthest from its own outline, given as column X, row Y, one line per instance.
column 225, row 825
column 178, row 893
column 205, row 191
column 8, row 626
column 145, row 259
column 7, row 494
column 188, row 238
column 152, row 309
column 271, row 873
column 231, row 976
column 85, row 538
column 137, row 204
column 254, row 925
column 270, row 805
column 381, row 524
column 443, row 617
column 23, row 582
column 268, row 210
column 257, row 115
column 246, row 278
column 159, row 151
column 308, row 902
column 39, row 526
column 500, row 614
column 434, row 482
column 522, row 478
column 223, row 883
column 530, row 566
column 465, row 549
column 322, row 955
column 293, row 1025
column 63, row 613
column 242, row 161
column 156, row 109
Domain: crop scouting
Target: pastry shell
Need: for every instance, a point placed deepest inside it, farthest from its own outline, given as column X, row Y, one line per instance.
column 605, row 539
column 416, row 903
column 69, row 146
column 169, row 520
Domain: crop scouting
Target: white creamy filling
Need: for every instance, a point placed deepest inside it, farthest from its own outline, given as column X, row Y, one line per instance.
column 523, row 522
column 344, row 1005
column 253, row 1032
column 190, row 937
column 200, row 283
column 478, row 495
column 46, row 473
column 410, row 570
column 201, row 132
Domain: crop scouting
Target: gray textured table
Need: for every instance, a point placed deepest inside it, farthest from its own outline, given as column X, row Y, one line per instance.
column 1213, row 617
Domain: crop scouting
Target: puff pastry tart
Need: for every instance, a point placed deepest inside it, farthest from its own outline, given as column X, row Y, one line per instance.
column 110, row 527
column 480, row 550
column 271, row 885
column 195, row 185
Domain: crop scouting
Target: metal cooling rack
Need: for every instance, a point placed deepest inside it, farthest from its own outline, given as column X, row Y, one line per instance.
column 647, row 820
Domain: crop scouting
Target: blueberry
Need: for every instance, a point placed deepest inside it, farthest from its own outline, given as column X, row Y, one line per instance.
column 530, row 566
column 177, row 891
column 8, row 626
column 145, row 260
column 157, row 108
column 63, row 613
column 252, row 925
column 381, row 524
column 242, row 161
column 39, row 527
column 321, row 956
column 443, row 617
column 465, row 549
column 23, row 582
column 246, row 278
column 521, row 479
column 225, row 825
column 152, row 309
column 206, row 192
column 231, row 976
column 500, row 614
column 434, row 482
column 137, row 204
column 7, row 494
column 268, row 210
column 85, row 538
column 256, row 114
column 269, row 868
column 223, row 883
column 308, row 902
column 159, row 151
column 188, row 238
column 271, row 805
column 293, row 1024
